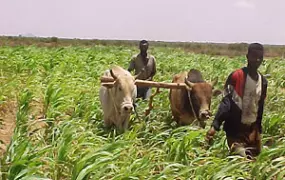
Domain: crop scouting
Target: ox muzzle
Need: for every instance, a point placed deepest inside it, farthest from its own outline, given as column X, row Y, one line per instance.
column 127, row 107
column 205, row 114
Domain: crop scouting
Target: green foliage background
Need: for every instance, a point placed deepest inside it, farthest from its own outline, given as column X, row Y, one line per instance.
column 75, row 144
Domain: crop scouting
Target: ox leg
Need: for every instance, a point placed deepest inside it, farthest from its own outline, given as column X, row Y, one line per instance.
column 176, row 117
column 181, row 120
column 120, row 128
column 177, row 120
column 185, row 119
column 125, row 124
column 107, row 122
column 118, row 124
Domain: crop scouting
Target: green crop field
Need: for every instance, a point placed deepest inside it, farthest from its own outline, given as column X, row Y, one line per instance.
column 59, row 131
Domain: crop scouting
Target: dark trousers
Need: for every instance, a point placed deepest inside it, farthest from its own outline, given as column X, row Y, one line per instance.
column 249, row 138
column 143, row 92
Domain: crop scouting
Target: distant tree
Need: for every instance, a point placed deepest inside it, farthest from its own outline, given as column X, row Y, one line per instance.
column 237, row 47
column 54, row 39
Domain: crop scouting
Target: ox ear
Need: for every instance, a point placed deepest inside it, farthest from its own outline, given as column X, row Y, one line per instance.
column 113, row 75
column 189, row 84
column 213, row 83
column 217, row 92
column 108, row 84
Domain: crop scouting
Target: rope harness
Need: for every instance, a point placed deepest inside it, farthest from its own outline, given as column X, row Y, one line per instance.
column 135, row 110
column 192, row 108
column 193, row 111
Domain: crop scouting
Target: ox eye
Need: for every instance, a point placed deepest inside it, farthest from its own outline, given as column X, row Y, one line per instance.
column 120, row 89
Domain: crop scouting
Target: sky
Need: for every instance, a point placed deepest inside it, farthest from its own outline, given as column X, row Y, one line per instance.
column 163, row 20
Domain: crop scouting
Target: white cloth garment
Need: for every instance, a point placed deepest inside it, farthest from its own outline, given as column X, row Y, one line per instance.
column 252, row 93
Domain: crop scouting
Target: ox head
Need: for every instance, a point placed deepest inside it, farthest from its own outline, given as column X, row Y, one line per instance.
column 123, row 91
column 200, row 95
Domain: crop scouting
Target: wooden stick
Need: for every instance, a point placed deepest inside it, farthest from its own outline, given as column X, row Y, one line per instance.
column 150, row 104
column 143, row 83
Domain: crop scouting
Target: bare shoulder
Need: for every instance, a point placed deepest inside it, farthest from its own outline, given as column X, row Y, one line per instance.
column 152, row 57
column 135, row 56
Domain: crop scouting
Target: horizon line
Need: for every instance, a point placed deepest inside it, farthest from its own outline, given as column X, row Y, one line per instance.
column 117, row 39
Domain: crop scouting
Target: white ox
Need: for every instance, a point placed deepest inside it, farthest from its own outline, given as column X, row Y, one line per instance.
column 117, row 99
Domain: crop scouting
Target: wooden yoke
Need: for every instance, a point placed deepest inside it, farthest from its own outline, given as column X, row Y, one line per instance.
column 143, row 83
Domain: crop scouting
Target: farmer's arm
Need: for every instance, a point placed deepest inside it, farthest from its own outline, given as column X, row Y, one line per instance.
column 222, row 113
column 225, row 105
column 223, row 110
column 132, row 64
column 153, row 72
column 261, row 105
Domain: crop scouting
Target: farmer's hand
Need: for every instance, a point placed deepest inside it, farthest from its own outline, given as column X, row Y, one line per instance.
column 210, row 134
column 149, row 79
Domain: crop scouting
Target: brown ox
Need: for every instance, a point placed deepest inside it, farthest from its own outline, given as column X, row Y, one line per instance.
column 117, row 99
column 194, row 101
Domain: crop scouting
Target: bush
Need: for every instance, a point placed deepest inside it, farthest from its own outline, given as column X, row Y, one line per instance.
column 54, row 39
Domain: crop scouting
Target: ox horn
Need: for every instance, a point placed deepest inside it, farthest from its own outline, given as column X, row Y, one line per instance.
column 188, row 83
column 113, row 75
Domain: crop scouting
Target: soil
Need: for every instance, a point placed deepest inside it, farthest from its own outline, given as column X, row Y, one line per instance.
column 36, row 119
column 7, row 124
column 8, row 111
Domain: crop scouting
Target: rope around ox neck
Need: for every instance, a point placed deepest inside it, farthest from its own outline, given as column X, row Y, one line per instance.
column 189, row 97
